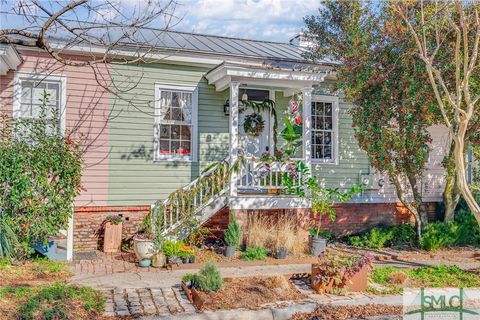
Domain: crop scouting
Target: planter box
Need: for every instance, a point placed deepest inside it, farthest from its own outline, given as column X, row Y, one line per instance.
column 112, row 237
column 193, row 296
column 358, row 282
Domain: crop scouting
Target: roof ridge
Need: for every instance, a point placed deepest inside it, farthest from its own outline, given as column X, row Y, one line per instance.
column 221, row 37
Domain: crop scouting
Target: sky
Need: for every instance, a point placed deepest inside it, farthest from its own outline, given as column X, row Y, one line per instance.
column 272, row 20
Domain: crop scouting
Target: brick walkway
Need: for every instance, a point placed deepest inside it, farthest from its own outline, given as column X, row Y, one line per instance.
column 107, row 263
column 149, row 301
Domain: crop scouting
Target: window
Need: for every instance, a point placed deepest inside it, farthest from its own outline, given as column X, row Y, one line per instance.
column 175, row 123
column 28, row 98
column 324, row 130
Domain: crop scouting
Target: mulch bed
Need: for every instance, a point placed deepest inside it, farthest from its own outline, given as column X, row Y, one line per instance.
column 251, row 293
column 329, row 312
column 456, row 254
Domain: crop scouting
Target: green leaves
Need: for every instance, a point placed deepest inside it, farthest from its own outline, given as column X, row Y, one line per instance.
column 40, row 176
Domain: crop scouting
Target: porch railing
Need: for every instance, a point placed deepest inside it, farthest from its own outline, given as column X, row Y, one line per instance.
column 262, row 176
column 186, row 203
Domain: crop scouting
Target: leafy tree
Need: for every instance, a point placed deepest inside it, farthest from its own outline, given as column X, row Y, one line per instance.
column 392, row 103
column 447, row 40
column 40, row 172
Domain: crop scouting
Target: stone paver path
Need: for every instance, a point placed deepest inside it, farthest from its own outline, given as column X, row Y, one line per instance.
column 146, row 302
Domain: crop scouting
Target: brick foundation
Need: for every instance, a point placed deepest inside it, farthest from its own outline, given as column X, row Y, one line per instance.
column 351, row 219
column 87, row 232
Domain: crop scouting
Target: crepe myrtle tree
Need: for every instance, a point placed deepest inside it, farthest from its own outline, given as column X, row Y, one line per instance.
column 392, row 102
column 447, row 39
column 40, row 176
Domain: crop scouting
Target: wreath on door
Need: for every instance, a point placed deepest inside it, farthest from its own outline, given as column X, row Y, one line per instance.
column 253, row 124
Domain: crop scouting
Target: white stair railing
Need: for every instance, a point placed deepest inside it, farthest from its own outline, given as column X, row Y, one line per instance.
column 186, row 203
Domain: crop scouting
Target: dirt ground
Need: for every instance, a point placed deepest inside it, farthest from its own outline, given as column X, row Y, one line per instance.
column 347, row 312
column 251, row 293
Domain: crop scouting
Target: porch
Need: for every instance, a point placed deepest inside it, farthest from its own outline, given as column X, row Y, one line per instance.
column 257, row 184
column 246, row 180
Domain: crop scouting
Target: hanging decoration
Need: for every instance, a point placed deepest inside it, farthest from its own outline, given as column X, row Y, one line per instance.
column 295, row 111
column 257, row 107
column 254, row 124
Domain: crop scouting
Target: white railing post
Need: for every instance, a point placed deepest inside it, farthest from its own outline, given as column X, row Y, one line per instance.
column 307, row 126
column 234, row 136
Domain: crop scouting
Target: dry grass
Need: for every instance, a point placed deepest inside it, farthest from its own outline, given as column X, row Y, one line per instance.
column 398, row 277
column 273, row 234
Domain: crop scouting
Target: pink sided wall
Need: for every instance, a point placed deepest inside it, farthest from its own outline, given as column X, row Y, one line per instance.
column 86, row 116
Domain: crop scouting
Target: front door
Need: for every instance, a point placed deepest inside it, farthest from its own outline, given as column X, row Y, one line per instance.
column 254, row 145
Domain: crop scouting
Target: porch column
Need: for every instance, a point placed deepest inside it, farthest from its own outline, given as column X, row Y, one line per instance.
column 234, row 85
column 307, row 126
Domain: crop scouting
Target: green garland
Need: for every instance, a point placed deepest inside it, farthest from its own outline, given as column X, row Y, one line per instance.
column 266, row 105
column 254, row 124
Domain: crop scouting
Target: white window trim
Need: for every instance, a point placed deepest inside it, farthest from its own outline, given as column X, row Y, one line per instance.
column 194, row 142
column 17, row 92
column 335, row 111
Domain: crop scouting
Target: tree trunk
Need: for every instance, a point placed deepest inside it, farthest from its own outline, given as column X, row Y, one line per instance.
column 417, row 209
column 451, row 193
column 418, row 203
column 461, row 170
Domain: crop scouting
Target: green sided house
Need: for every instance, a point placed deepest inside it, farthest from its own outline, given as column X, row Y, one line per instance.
column 177, row 121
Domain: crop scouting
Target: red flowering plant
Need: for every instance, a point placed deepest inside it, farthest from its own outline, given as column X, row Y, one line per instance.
column 334, row 273
column 392, row 102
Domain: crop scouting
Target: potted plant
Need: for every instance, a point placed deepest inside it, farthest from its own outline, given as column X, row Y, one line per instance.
column 172, row 250
column 112, row 226
column 323, row 203
column 143, row 241
column 233, row 236
column 187, row 254
column 281, row 242
column 334, row 274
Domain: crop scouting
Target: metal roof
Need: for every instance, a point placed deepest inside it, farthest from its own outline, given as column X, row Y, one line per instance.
column 183, row 41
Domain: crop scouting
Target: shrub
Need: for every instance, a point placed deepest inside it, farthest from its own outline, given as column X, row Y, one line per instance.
column 439, row 235
column 375, row 238
column 8, row 240
column 172, row 248
column 209, row 278
column 255, row 253
column 380, row 237
column 233, row 234
column 40, row 177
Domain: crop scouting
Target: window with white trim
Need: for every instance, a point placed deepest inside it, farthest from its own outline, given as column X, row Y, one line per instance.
column 29, row 98
column 324, row 131
column 175, row 123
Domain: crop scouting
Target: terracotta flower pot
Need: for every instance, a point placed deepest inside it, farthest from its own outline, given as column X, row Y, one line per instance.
column 112, row 237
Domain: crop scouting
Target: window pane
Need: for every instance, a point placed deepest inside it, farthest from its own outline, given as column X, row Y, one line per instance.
column 328, row 109
column 328, row 123
column 165, row 102
column 177, row 114
column 327, row 152
column 175, row 146
column 165, row 147
column 318, row 152
column 175, row 132
column 26, row 92
column 318, row 137
column 327, row 138
column 165, row 131
column 184, row 148
column 185, row 133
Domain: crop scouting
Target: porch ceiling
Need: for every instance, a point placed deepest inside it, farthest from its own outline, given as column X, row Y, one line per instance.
column 222, row 75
